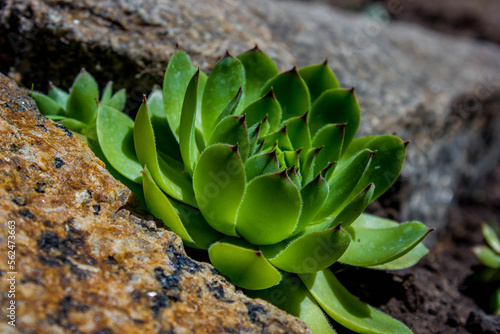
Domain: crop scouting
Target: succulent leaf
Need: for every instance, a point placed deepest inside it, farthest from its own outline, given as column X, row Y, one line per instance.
column 118, row 100
column 222, row 86
column 313, row 195
column 343, row 182
column 232, row 130
column 307, row 169
column 187, row 128
column 259, row 68
column 82, row 99
column 299, row 134
column 308, row 253
column 269, row 210
column 177, row 76
column 408, row 260
column 280, row 137
column 166, row 143
column 265, row 106
column 293, row 297
column 58, row 95
column 73, row 124
column 385, row 165
column 46, row 105
column 355, row 208
column 491, row 237
column 403, row 262
column 294, row 176
column 319, row 78
column 331, row 138
column 115, row 132
column 243, row 264
column 266, row 163
column 487, row 256
column 231, row 107
column 107, row 92
column 174, row 182
column 372, row 247
column 219, row 184
column 346, row 309
column 336, row 106
column 291, row 92
column 185, row 222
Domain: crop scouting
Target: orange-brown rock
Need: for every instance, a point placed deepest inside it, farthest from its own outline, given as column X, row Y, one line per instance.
column 84, row 261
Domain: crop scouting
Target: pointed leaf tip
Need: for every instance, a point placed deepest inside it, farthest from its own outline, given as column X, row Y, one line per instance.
column 351, row 90
column 283, row 174
column 255, row 48
column 406, row 143
column 327, row 167
column 270, row 94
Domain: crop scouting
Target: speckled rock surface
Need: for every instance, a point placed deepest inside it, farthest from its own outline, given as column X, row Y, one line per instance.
column 440, row 92
column 85, row 262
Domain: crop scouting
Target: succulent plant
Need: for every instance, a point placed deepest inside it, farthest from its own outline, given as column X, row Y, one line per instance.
column 489, row 255
column 77, row 110
column 263, row 170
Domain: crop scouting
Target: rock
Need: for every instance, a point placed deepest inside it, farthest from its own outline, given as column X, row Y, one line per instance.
column 476, row 19
column 439, row 92
column 479, row 322
column 86, row 261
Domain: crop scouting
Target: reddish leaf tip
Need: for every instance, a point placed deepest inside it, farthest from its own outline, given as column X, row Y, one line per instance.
column 283, row 173
column 283, row 129
column 304, row 117
column 351, row 90
column 270, row 94
column 368, row 187
column 327, row 167
column 341, row 125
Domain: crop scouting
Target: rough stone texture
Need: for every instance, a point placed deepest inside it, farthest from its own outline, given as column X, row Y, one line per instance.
column 85, row 262
column 437, row 91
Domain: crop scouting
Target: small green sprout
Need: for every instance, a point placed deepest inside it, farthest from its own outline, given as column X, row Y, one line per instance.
column 77, row 110
column 490, row 257
column 263, row 171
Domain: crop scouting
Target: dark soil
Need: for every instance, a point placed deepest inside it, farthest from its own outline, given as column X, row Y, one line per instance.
column 438, row 295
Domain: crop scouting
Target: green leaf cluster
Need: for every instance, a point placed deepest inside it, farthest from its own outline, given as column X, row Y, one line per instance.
column 264, row 171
